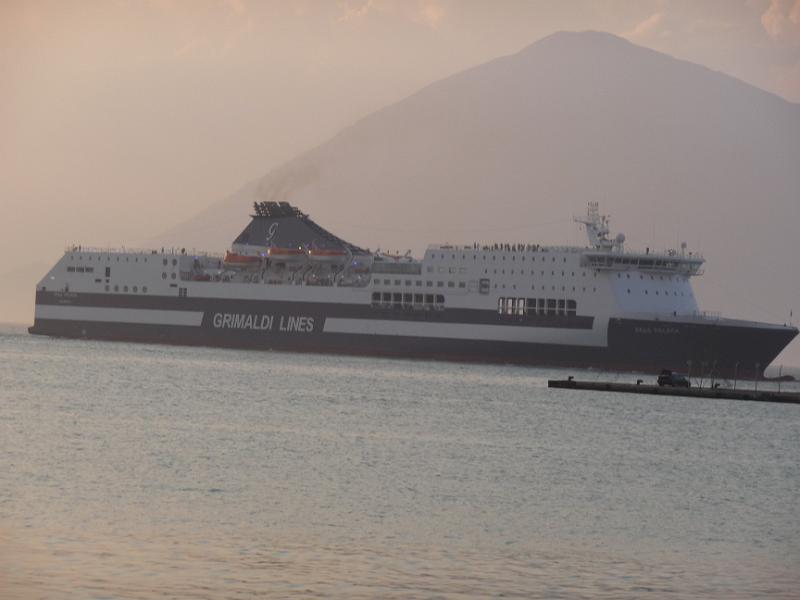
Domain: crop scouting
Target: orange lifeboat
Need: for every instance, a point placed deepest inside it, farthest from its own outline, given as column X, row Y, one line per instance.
column 287, row 254
column 240, row 260
column 327, row 255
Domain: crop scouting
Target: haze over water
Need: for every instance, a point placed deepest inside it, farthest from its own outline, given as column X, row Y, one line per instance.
column 138, row 471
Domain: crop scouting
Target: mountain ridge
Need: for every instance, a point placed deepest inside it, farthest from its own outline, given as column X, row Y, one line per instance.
column 277, row 191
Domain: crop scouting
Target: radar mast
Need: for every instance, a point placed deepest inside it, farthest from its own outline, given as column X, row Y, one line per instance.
column 597, row 228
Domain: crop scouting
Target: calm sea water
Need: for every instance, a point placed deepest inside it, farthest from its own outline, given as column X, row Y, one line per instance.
column 137, row 471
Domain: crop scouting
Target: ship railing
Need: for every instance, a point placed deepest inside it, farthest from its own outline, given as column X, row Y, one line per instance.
column 142, row 251
column 701, row 315
column 504, row 247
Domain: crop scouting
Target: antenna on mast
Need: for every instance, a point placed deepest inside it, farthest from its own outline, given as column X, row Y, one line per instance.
column 597, row 228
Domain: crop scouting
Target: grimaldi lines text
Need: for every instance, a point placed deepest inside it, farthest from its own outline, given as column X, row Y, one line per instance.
column 286, row 283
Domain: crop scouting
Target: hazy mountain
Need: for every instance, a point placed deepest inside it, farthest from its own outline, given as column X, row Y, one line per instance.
column 511, row 149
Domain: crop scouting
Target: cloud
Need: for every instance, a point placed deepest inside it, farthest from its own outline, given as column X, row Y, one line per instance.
column 424, row 12
column 431, row 14
column 644, row 28
column 781, row 21
column 354, row 11
column 237, row 6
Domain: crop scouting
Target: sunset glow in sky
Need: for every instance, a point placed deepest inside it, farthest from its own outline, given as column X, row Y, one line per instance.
column 122, row 118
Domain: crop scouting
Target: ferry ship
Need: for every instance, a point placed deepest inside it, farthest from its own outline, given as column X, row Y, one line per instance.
column 286, row 283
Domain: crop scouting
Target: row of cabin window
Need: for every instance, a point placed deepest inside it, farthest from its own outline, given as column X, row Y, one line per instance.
column 398, row 300
column 418, row 283
column 533, row 273
column 503, row 257
column 108, row 258
column 80, row 269
column 536, row 306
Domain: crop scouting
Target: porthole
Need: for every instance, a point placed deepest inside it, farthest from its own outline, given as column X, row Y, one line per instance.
column 174, row 261
column 165, row 262
column 116, row 288
column 163, row 276
column 173, row 275
column 144, row 289
column 135, row 289
column 125, row 288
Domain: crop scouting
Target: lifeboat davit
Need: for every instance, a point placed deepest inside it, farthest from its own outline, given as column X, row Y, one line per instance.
column 286, row 254
column 326, row 255
column 240, row 260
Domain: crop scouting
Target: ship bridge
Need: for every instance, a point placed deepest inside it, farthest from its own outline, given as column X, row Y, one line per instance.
column 608, row 254
column 670, row 262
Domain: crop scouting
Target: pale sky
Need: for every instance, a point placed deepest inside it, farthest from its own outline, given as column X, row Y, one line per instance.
column 120, row 118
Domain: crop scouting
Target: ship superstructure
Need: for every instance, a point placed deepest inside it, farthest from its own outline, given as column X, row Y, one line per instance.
column 286, row 283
